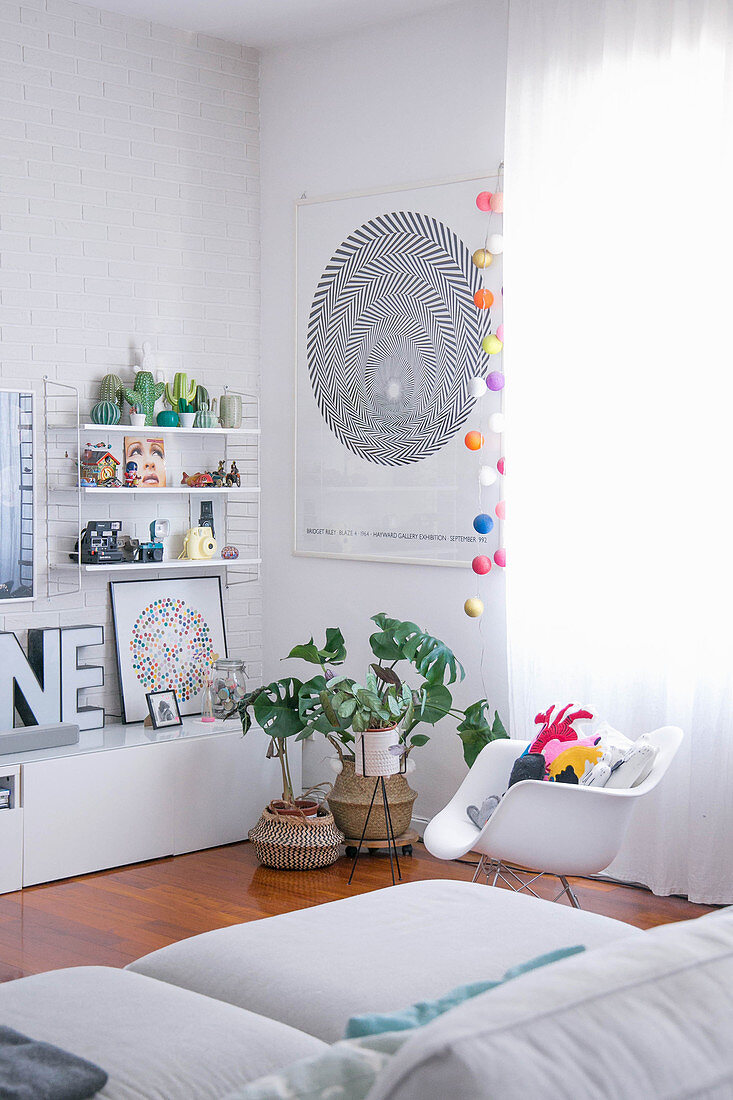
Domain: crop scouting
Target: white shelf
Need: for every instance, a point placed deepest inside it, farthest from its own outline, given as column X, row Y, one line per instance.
column 183, row 490
column 157, row 429
column 173, row 563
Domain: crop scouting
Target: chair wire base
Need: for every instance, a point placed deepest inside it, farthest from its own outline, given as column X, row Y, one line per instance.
column 505, row 873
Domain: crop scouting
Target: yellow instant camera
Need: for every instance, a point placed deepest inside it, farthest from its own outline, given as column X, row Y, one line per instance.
column 199, row 543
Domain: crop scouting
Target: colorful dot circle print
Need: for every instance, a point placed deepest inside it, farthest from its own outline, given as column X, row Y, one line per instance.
column 171, row 647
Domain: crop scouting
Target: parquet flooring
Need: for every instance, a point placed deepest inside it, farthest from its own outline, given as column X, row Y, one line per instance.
column 113, row 917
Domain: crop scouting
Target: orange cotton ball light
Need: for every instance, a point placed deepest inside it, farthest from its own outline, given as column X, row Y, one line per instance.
column 481, row 564
column 496, row 202
column 484, row 299
column 483, row 201
column 474, row 441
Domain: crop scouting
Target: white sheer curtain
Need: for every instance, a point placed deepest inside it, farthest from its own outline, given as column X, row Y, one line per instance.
column 619, row 397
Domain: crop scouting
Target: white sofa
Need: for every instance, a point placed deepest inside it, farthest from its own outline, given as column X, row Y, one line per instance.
column 637, row 1014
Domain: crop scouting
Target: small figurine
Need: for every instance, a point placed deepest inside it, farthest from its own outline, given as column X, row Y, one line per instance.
column 197, row 481
column 218, row 477
column 132, row 479
column 233, row 477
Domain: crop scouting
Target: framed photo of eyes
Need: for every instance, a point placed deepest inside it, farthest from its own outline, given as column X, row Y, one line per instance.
column 144, row 465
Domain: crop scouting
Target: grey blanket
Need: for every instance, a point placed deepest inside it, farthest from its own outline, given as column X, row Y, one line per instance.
column 31, row 1070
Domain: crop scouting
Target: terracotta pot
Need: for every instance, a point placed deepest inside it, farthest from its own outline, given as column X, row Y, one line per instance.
column 349, row 803
column 307, row 806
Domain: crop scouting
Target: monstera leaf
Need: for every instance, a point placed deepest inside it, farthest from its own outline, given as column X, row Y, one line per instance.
column 276, row 708
column 435, row 702
column 397, row 640
column 332, row 653
column 475, row 731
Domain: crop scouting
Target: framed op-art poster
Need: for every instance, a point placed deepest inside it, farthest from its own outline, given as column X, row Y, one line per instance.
column 167, row 633
column 388, row 338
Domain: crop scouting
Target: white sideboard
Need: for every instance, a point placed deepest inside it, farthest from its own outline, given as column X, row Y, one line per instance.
column 128, row 793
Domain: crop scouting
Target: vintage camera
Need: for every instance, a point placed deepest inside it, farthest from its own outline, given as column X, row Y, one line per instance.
column 199, row 543
column 134, row 550
column 99, row 543
column 149, row 551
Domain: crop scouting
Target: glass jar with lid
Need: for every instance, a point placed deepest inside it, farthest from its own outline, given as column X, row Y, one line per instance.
column 228, row 687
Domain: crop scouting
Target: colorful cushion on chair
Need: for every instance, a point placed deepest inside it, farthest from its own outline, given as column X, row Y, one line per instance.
column 570, row 766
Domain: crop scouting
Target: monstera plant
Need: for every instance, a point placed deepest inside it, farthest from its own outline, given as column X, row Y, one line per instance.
column 340, row 707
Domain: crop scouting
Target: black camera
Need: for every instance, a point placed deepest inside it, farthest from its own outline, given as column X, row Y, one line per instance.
column 99, row 543
column 149, row 551
column 134, row 550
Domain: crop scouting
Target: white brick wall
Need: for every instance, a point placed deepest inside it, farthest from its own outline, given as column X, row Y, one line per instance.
column 129, row 210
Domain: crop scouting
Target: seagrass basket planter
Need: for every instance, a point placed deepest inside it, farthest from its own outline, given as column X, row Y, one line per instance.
column 349, row 803
column 296, row 843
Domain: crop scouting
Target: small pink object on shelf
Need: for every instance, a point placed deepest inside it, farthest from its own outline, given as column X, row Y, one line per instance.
column 501, row 465
column 481, row 564
column 501, row 509
column 500, row 557
column 483, row 201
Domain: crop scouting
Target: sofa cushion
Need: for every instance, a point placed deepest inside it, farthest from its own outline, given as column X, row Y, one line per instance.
column 649, row 1016
column 373, row 951
column 156, row 1042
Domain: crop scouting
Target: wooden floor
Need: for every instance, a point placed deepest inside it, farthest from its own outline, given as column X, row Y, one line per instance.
column 113, row 917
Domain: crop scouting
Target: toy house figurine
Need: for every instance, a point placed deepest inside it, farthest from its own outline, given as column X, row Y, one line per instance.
column 99, row 467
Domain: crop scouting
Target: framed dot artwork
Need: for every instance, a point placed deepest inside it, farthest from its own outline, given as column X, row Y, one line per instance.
column 167, row 633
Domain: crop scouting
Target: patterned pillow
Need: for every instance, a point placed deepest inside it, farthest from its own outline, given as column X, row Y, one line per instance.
column 348, row 1069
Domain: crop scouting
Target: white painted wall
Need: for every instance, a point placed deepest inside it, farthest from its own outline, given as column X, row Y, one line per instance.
column 417, row 99
column 129, row 209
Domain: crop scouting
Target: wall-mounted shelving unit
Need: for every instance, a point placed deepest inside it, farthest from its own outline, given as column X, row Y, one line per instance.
column 69, row 505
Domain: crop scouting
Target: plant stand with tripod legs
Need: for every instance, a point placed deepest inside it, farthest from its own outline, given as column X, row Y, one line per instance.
column 391, row 839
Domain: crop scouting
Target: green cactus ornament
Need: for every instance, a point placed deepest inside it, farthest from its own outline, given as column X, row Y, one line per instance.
column 201, row 400
column 110, row 389
column 181, row 390
column 145, row 393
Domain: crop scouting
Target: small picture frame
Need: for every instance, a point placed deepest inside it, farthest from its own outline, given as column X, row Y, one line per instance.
column 163, row 708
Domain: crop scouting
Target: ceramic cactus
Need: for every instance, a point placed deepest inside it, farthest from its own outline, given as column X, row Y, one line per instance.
column 201, row 400
column 181, row 390
column 145, row 393
column 206, row 417
column 110, row 389
column 106, row 412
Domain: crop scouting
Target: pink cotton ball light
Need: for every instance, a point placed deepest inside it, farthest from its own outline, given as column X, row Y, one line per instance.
column 500, row 331
column 495, row 381
column 481, row 564
column 501, row 509
column 501, row 465
column 483, row 201
column 500, row 557
column 496, row 202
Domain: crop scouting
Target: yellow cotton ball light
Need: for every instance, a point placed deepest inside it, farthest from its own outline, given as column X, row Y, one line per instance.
column 482, row 257
column 474, row 607
column 491, row 344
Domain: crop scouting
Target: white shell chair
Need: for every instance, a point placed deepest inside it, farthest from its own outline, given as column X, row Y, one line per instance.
column 560, row 827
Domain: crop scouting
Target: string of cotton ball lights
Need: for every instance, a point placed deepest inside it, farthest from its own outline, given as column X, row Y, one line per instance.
column 484, row 382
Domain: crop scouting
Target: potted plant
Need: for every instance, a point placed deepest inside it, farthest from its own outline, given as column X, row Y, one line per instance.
column 344, row 711
column 292, row 833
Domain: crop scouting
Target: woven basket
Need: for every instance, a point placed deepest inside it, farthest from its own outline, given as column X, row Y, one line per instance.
column 296, row 843
column 349, row 802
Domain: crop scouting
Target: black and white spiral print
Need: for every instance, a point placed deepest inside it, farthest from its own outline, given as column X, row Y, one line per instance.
column 394, row 336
